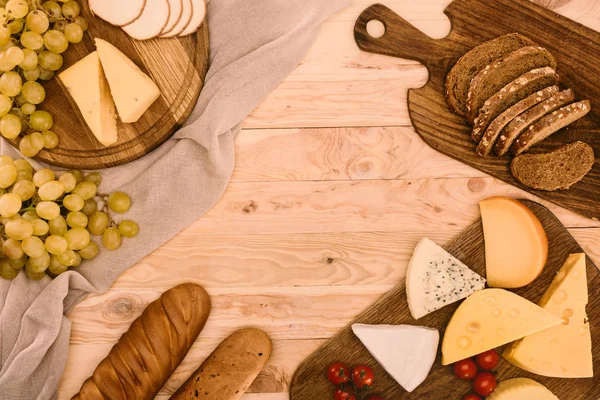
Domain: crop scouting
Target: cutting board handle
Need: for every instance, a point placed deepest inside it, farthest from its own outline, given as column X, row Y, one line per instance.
column 401, row 38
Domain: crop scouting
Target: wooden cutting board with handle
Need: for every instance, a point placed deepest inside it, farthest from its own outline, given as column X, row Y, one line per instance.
column 177, row 65
column 310, row 380
column 576, row 48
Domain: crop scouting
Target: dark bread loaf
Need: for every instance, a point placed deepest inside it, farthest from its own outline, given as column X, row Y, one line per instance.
column 549, row 125
column 522, row 87
column 146, row 355
column 556, row 170
column 460, row 76
column 511, row 132
column 496, row 126
column 502, row 72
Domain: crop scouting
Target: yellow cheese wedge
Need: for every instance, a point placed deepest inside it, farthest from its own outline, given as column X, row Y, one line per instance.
column 516, row 246
column 491, row 318
column 521, row 389
column 564, row 351
column 87, row 85
column 132, row 90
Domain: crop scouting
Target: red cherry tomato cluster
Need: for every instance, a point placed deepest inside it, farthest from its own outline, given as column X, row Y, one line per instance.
column 477, row 371
column 352, row 384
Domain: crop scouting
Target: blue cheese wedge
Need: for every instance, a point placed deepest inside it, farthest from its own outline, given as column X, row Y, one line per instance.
column 435, row 279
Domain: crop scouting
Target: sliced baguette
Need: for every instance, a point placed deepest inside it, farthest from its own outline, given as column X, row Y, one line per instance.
column 493, row 131
column 497, row 75
column 152, row 21
column 198, row 14
column 556, row 170
column 511, row 132
column 460, row 76
column 117, row 12
column 549, row 125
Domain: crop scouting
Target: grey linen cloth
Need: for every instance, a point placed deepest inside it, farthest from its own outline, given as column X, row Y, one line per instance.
column 254, row 46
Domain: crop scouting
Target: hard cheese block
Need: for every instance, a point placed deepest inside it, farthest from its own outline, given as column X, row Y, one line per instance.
column 521, row 389
column 132, row 90
column 406, row 352
column 564, row 351
column 435, row 279
column 87, row 85
column 491, row 318
column 516, row 246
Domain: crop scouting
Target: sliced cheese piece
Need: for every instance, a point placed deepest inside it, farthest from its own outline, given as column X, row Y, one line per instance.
column 198, row 14
column 118, row 12
column 521, row 389
column 435, row 279
column 88, row 87
column 186, row 16
column 516, row 246
column 133, row 90
column 491, row 318
column 406, row 352
column 152, row 21
column 564, row 351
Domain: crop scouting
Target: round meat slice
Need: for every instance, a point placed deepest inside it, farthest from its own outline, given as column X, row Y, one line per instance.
column 176, row 12
column 152, row 21
column 186, row 17
column 118, row 12
column 198, row 14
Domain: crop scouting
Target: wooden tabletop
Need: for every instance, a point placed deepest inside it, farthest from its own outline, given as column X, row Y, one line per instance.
column 331, row 191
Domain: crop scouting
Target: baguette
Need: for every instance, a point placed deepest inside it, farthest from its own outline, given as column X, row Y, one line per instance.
column 228, row 372
column 146, row 355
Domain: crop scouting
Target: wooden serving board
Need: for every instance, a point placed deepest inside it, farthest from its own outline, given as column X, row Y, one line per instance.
column 576, row 48
column 310, row 380
column 177, row 65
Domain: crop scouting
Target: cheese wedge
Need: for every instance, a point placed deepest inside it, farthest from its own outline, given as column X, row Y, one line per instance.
column 516, row 246
column 521, row 389
column 406, row 352
column 491, row 318
column 435, row 279
column 88, row 87
column 132, row 90
column 564, row 351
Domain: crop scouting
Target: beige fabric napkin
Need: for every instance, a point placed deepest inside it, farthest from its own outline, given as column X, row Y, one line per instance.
column 254, row 46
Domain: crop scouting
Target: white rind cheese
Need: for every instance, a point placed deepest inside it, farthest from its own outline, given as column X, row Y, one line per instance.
column 521, row 389
column 435, row 279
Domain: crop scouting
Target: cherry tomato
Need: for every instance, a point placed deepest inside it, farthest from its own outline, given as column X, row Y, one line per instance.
column 362, row 376
column 338, row 373
column 471, row 396
column 488, row 360
column 465, row 369
column 484, row 384
column 343, row 395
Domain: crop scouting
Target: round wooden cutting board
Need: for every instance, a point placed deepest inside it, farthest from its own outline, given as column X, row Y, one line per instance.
column 177, row 65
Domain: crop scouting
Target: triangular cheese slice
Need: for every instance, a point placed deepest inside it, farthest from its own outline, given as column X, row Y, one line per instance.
column 87, row 85
column 406, row 352
column 491, row 318
column 521, row 389
column 132, row 90
column 564, row 351
column 435, row 279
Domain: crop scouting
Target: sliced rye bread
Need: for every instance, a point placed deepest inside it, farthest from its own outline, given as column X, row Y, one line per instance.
column 493, row 131
column 558, row 169
column 511, row 132
column 497, row 75
column 522, row 87
column 459, row 78
column 549, row 125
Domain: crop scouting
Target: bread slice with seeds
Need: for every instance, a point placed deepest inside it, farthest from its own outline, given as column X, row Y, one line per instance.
column 522, row 87
column 493, row 131
column 511, row 132
column 497, row 75
column 459, row 78
column 556, row 170
column 550, row 124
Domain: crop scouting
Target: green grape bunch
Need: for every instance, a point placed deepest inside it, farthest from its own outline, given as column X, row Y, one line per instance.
column 50, row 224
column 33, row 36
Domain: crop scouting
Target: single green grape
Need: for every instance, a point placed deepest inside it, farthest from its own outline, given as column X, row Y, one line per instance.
column 30, row 60
column 32, row 75
column 90, row 251
column 16, row 26
column 48, row 210
column 56, row 42
column 28, row 109
column 128, row 228
column 5, row 35
column 33, row 246
column 40, row 263
column 90, row 207
column 37, row 140
column 42, row 176
column 77, row 238
column 24, row 189
column 18, row 229
column 50, row 61
column 77, row 219
column 40, row 227
column 119, row 202
column 17, row 8
column 67, row 258
column 11, row 83
column 7, row 160
column 45, row 74
column 98, row 223
column 55, row 266
column 34, row 275
column 32, row 40
column 56, row 244
column 24, row 175
column 77, row 174
column 86, row 190
column 6, row 271
column 33, row 92
column 18, row 263
column 50, row 139
column 10, row 204
column 8, row 176
column 5, row 104
column 51, row 191
column 69, row 180
column 94, row 177
column 58, row 226
column 23, row 165
column 30, row 215
column 53, row 10
column 10, row 126
column 78, row 260
column 60, row 25
column 15, row 55
column 73, row 202
column 111, row 238
column 82, row 22
column 70, row 9
column 5, row 64
column 12, row 249
column 26, row 146
column 74, row 33
column 6, row 220
column 41, row 121
column 37, row 21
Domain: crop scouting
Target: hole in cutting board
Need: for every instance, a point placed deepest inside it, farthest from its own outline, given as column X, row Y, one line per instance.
column 375, row 28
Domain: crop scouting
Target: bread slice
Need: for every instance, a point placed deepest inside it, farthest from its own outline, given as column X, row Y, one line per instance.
column 522, row 87
column 459, row 78
column 497, row 75
column 556, row 170
column 511, row 132
column 550, row 124
column 493, row 131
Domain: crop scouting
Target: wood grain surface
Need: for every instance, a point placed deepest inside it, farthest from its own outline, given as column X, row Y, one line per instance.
column 177, row 65
column 310, row 380
column 576, row 48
